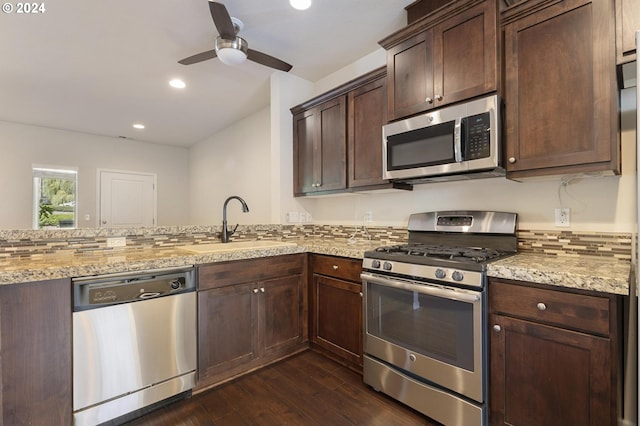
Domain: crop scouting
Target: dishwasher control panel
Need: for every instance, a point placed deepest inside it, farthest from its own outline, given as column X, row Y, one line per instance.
column 106, row 290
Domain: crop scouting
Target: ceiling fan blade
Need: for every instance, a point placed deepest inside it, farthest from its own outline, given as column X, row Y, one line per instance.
column 268, row 60
column 209, row 54
column 223, row 22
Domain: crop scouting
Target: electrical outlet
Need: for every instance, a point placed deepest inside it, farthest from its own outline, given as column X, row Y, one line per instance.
column 116, row 242
column 293, row 217
column 563, row 217
column 368, row 217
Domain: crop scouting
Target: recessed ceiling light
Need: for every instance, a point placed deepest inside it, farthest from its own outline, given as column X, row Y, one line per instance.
column 138, row 126
column 300, row 4
column 177, row 83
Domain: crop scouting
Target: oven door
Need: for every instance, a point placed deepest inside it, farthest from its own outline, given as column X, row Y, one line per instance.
column 431, row 331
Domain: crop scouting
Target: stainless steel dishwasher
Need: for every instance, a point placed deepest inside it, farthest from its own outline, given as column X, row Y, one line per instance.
column 134, row 342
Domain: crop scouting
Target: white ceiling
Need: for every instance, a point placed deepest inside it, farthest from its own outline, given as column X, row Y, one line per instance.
column 99, row 66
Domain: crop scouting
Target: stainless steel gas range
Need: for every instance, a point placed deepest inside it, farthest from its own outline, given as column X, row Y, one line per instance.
column 425, row 339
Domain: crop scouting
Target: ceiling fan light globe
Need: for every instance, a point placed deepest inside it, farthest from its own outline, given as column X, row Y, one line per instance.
column 231, row 56
column 231, row 52
column 300, row 4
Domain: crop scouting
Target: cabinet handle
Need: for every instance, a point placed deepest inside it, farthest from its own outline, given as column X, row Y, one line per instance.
column 438, row 97
column 361, row 294
column 497, row 328
column 255, row 290
column 335, row 267
column 512, row 160
column 412, row 357
column 261, row 289
column 429, row 100
column 541, row 306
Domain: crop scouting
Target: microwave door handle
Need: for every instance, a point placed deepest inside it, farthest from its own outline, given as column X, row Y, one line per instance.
column 458, row 131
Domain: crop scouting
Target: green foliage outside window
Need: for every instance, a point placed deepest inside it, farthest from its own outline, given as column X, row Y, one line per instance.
column 57, row 202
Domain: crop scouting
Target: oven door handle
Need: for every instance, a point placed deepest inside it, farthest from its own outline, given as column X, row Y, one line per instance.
column 458, row 295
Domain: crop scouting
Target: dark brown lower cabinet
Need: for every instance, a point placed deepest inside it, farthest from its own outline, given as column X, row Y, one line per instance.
column 553, row 357
column 336, row 309
column 250, row 313
column 35, row 353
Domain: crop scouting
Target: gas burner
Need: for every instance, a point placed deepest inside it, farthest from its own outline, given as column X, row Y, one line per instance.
column 461, row 254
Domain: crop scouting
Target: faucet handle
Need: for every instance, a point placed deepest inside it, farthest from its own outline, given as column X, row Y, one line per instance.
column 230, row 233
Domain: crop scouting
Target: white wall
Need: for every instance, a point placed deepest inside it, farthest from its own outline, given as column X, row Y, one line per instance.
column 235, row 161
column 21, row 146
column 605, row 204
column 253, row 159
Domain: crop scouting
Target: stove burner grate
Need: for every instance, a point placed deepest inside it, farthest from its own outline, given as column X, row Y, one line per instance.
column 462, row 254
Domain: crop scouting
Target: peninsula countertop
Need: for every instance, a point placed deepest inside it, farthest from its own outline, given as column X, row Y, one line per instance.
column 602, row 274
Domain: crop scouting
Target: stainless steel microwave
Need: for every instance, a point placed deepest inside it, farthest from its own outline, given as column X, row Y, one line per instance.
column 456, row 142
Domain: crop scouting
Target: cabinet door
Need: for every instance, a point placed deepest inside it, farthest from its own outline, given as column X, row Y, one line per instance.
column 35, row 353
column 337, row 317
column 627, row 23
column 227, row 329
column 410, row 76
column 367, row 114
column 544, row 375
column 281, row 305
column 304, row 152
column 561, row 99
column 320, row 148
column 331, row 128
column 465, row 55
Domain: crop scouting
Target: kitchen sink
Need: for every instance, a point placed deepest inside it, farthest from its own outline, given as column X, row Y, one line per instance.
column 235, row 246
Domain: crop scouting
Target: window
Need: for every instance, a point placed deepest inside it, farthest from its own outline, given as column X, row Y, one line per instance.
column 54, row 197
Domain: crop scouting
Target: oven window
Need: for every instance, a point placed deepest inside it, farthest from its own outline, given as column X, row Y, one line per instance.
column 433, row 326
column 428, row 146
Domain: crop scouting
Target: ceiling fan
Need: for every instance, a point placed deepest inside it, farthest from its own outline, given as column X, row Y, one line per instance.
column 229, row 47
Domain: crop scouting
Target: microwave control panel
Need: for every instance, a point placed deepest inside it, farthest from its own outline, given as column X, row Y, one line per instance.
column 477, row 137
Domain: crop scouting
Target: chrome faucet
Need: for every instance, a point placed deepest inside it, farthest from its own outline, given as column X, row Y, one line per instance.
column 225, row 232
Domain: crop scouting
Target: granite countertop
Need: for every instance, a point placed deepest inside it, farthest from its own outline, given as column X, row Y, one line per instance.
column 601, row 274
column 67, row 264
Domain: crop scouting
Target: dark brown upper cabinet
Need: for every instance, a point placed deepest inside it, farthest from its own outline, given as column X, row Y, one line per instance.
column 627, row 23
column 337, row 138
column 560, row 90
column 445, row 57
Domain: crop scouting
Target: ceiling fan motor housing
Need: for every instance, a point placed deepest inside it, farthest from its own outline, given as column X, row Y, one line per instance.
column 231, row 52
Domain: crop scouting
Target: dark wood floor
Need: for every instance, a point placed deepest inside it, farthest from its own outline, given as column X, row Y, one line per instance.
column 306, row 389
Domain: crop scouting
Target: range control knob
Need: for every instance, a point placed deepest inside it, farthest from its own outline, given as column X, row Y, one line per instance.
column 386, row 266
column 375, row 264
column 175, row 284
column 457, row 276
column 440, row 273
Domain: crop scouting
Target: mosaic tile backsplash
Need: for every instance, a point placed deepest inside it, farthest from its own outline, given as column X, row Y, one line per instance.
column 36, row 243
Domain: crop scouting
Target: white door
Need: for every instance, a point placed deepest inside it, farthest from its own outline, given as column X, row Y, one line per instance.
column 127, row 199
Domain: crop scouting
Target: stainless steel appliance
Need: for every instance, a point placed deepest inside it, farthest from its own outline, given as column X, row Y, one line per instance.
column 134, row 342
column 457, row 142
column 425, row 313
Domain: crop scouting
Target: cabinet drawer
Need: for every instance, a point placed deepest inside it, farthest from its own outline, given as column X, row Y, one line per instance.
column 222, row 274
column 337, row 267
column 575, row 311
